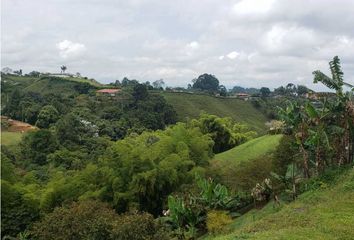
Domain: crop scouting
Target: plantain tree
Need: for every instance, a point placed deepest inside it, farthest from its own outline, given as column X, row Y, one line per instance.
column 342, row 109
column 297, row 122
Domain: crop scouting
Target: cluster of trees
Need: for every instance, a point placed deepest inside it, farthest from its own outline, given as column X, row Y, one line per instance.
column 225, row 133
column 208, row 83
column 71, row 162
column 324, row 136
column 238, row 89
column 155, row 85
column 137, row 111
column 292, row 90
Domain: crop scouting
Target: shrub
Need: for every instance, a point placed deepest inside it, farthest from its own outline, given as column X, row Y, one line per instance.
column 185, row 216
column 85, row 220
column 137, row 226
column 17, row 210
column 284, row 154
column 217, row 220
column 248, row 173
column 95, row 220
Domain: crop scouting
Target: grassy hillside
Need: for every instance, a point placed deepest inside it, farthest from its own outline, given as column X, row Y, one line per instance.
column 24, row 80
column 44, row 85
column 10, row 138
column 249, row 150
column 325, row 213
column 242, row 167
column 191, row 105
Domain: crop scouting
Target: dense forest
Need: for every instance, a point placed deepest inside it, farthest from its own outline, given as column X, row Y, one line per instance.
column 126, row 167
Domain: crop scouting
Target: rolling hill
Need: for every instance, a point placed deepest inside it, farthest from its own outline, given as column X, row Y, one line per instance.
column 191, row 105
column 243, row 166
column 45, row 85
column 326, row 212
column 249, row 150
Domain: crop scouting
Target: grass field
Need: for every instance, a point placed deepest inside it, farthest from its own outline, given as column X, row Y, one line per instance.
column 242, row 167
column 191, row 105
column 10, row 138
column 249, row 150
column 325, row 213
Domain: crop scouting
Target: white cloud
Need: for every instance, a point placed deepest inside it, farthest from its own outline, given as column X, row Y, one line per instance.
column 178, row 40
column 290, row 38
column 253, row 6
column 70, row 49
column 194, row 45
column 233, row 55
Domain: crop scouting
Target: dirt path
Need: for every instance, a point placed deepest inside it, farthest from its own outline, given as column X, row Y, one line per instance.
column 17, row 126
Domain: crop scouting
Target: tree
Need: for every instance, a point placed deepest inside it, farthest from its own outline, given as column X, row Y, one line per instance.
column 72, row 130
column 47, row 116
column 206, row 82
column 225, row 133
column 296, row 120
column 140, row 92
column 34, row 74
column 290, row 89
column 63, row 68
column 301, row 90
column 86, row 220
column 280, row 90
column 342, row 109
column 94, row 220
column 17, row 210
column 158, row 84
column 12, row 108
column 148, row 167
column 36, row 145
column 265, row 92
column 129, row 83
column 18, row 72
column 222, row 90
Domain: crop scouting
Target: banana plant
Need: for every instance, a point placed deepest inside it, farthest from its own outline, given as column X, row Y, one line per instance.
column 291, row 179
column 294, row 117
column 213, row 195
column 343, row 108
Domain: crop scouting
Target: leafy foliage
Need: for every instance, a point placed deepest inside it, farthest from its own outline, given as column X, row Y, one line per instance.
column 213, row 195
column 79, row 221
column 47, row 116
column 206, row 82
column 17, row 209
column 36, row 145
column 225, row 132
column 217, row 220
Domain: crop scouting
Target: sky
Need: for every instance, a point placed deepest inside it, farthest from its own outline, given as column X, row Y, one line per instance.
column 250, row 43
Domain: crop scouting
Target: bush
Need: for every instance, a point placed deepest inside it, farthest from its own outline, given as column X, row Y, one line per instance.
column 95, row 220
column 247, row 174
column 217, row 220
column 284, row 154
column 85, row 220
column 137, row 226
column 17, row 210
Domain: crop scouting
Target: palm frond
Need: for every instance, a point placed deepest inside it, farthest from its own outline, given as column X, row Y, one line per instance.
column 337, row 74
column 323, row 78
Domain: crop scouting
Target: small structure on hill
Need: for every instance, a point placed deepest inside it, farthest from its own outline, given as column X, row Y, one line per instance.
column 319, row 95
column 112, row 92
column 244, row 96
column 63, row 75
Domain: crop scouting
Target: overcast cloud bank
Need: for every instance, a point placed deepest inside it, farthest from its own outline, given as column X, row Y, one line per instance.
column 249, row 42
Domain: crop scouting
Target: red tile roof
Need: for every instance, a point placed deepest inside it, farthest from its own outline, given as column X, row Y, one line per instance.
column 109, row 90
column 242, row 94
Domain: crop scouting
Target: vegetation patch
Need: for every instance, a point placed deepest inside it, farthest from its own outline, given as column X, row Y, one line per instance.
column 189, row 105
